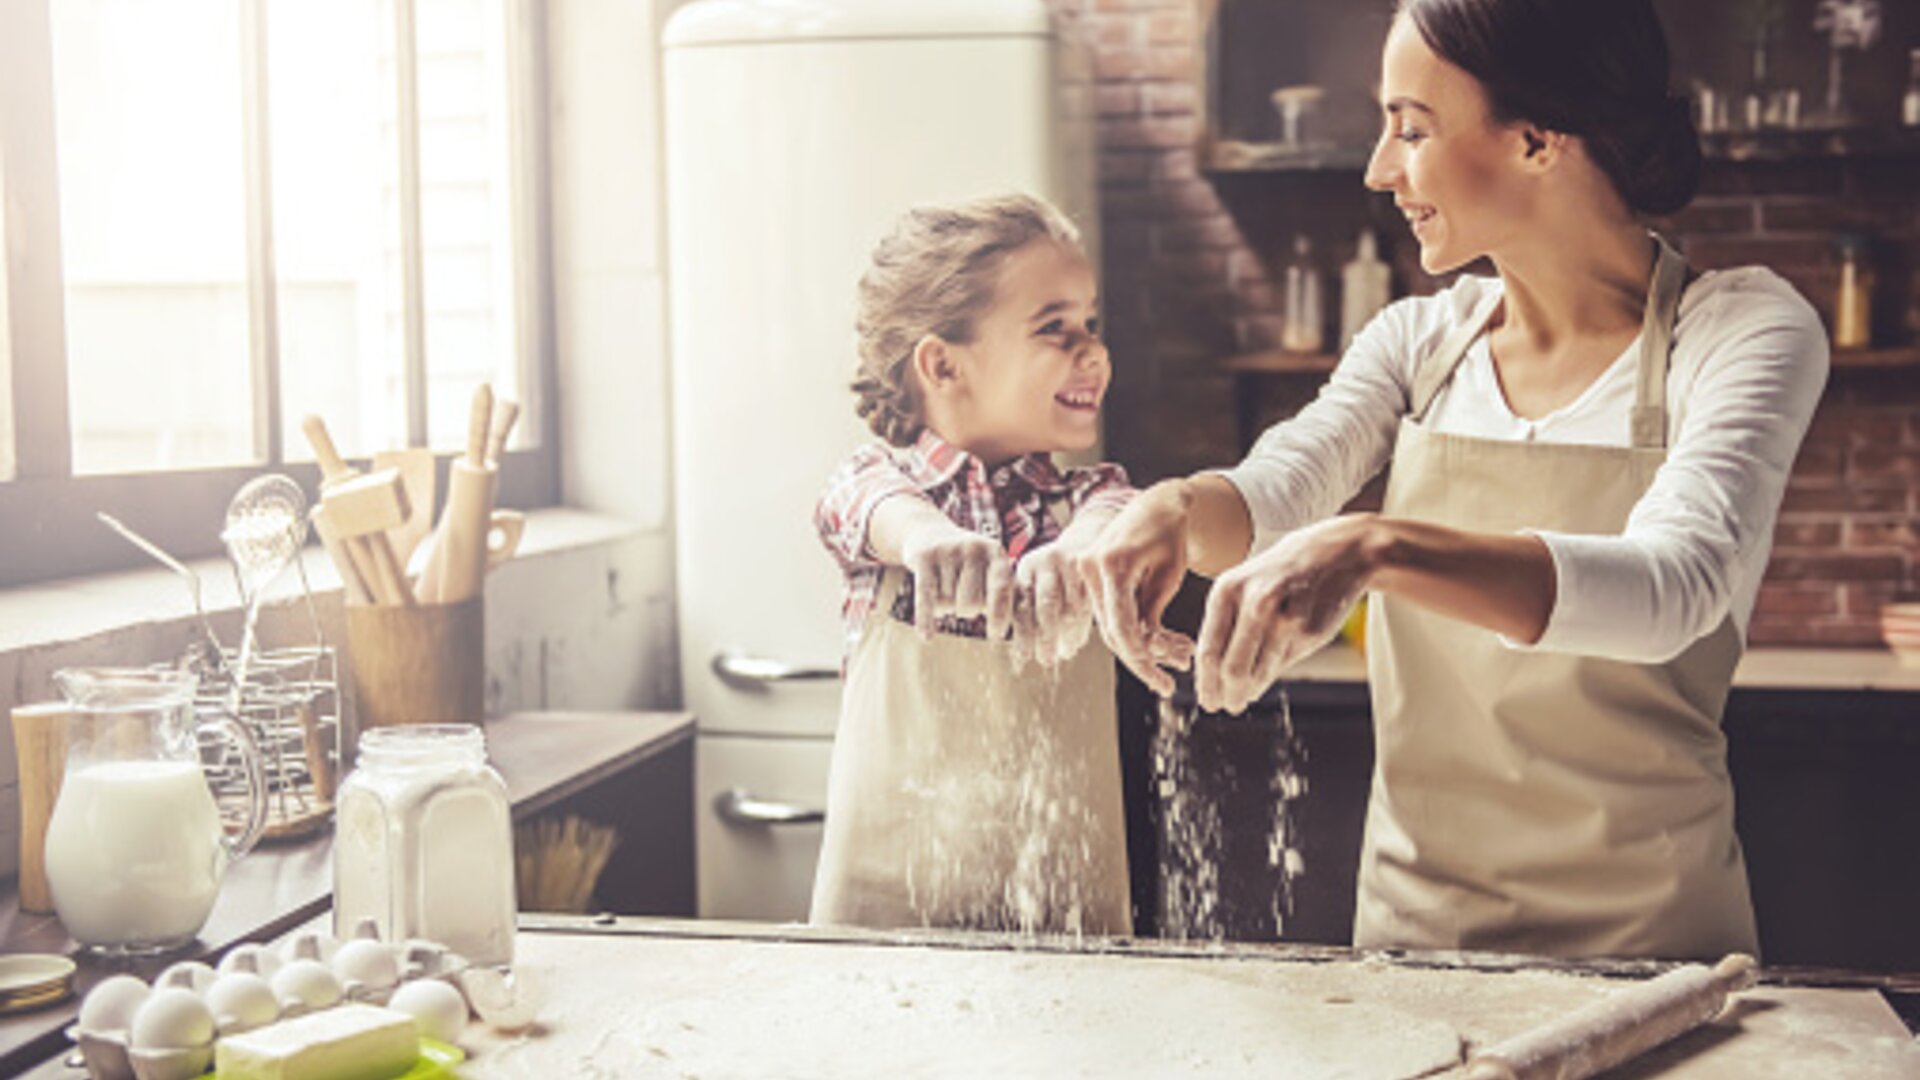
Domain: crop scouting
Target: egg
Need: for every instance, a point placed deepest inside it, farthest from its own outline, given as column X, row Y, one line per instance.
column 110, row 1006
column 434, row 1005
column 242, row 1001
column 504, row 998
column 306, row 985
column 369, row 965
column 187, row 975
column 172, row 1019
column 255, row 959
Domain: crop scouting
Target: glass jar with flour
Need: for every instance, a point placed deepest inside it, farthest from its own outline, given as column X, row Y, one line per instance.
column 423, row 842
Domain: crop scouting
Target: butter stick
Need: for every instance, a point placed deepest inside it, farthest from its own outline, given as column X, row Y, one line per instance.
column 348, row 1042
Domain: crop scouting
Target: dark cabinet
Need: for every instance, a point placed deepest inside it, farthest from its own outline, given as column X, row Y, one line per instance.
column 1827, row 790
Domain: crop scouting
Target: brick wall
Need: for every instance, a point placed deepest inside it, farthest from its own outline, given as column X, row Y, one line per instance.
column 1189, row 264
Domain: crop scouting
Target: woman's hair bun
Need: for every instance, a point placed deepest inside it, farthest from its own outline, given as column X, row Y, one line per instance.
column 1664, row 173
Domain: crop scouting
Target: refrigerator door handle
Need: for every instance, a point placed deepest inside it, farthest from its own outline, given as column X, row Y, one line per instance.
column 744, row 672
column 741, row 807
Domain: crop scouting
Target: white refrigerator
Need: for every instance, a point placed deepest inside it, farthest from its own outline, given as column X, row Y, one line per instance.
column 796, row 130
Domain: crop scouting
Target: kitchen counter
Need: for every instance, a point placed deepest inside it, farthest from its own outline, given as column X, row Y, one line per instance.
column 1760, row 669
column 545, row 759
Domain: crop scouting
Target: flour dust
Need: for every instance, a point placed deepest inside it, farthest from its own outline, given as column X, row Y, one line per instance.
column 1195, row 774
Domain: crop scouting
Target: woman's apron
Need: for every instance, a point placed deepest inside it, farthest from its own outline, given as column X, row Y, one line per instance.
column 1539, row 802
column 967, row 793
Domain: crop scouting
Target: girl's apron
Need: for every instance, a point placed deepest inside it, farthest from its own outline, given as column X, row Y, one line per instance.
column 1539, row 802
column 966, row 793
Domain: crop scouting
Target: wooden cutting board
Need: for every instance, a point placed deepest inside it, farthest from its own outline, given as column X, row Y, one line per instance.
column 713, row 1000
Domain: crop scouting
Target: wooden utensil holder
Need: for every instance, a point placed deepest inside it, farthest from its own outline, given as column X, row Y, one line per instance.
column 424, row 664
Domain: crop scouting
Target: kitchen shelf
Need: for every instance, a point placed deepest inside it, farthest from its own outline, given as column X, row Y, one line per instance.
column 1280, row 362
column 1813, row 144
column 1903, row 356
column 1877, row 143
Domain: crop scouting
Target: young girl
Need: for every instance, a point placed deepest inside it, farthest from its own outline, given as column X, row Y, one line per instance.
column 970, row 788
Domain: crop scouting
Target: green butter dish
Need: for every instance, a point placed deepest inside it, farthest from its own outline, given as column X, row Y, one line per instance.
column 436, row 1062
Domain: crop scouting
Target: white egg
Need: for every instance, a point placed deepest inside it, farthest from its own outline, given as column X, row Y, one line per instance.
column 305, row 985
column 252, row 958
column 372, row 964
column 435, row 1005
column 242, row 1001
column 172, row 1019
column 110, row 1006
column 187, row 975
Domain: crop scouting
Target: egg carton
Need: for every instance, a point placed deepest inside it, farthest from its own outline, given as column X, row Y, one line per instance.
column 130, row 1031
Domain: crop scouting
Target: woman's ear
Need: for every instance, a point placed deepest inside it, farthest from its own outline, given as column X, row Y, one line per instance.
column 936, row 365
column 1541, row 149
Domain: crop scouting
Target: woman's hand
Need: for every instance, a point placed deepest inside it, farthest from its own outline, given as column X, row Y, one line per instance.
column 957, row 573
column 1280, row 606
column 1132, row 571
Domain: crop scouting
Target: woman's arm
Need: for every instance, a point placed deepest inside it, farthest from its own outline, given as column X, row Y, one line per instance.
column 1299, row 471
column 1289, row 600
column 1694, row 547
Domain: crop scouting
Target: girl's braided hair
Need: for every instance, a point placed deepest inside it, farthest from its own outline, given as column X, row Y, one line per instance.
column 935, row 274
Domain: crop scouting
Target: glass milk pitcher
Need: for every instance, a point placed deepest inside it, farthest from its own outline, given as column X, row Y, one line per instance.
column 135, row 845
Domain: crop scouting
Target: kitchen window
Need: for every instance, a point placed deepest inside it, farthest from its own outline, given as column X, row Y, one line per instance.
column 222, row 215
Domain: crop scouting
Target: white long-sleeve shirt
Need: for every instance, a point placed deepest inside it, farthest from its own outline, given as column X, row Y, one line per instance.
column 1749, row 362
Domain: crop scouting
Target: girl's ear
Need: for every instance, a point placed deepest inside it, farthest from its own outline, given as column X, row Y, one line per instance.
column 938, row 368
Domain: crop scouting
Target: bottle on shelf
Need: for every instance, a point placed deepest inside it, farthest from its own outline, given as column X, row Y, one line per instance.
column 1305, row 315
column 1910, row 104
column 1366, row 285
column 1853, row 302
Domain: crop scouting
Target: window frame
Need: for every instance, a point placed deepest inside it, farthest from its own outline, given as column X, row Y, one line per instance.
column 49, row 527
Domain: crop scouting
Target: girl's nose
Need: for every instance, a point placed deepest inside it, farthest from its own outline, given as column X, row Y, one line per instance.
column 1093, row 353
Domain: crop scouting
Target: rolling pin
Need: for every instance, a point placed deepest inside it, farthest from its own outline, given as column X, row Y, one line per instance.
column 457, row 564
column 1617, row 1028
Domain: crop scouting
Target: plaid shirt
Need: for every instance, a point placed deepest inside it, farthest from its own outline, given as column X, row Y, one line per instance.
column 1009, row 503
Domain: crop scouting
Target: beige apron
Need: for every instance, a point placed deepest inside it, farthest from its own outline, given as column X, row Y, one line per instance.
column 966, row 793
column 1539, row 802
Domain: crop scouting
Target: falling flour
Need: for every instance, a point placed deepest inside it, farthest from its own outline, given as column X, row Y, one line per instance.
column 1193, row 837
column 1009, row 842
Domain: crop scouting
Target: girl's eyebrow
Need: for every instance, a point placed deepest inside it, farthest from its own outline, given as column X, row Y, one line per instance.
column 1402, row 103
column 1059, row 306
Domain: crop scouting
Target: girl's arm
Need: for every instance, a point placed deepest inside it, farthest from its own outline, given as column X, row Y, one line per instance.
column 872, row 515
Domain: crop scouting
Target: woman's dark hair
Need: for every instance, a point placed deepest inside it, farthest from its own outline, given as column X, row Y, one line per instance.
column 1596, row 69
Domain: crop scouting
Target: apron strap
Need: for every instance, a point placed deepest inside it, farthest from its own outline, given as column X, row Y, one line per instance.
column 1656, row 347
column 1649, row 418
column 1440, row 364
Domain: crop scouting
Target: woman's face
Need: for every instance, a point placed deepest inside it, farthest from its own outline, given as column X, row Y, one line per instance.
column 1457, row 176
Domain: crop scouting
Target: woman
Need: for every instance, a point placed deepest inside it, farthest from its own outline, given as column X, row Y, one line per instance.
column 1588, row 453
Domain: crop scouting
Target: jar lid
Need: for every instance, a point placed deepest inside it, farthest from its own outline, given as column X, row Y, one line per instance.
column 34, row 980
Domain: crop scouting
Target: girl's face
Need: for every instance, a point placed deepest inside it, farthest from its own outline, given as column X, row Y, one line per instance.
column 1032, row 379
column 1456, row 174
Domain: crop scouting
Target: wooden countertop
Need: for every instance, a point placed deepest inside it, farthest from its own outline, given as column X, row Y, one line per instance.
column 544, row 758
column 1760, row 669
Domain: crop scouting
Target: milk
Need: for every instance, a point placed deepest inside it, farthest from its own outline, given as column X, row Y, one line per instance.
column 134, row 854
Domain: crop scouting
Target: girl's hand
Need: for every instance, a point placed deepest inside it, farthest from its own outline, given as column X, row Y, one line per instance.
column 1132, row 571
column 1280, row 606
column 957, row 573
column 1052, row 610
